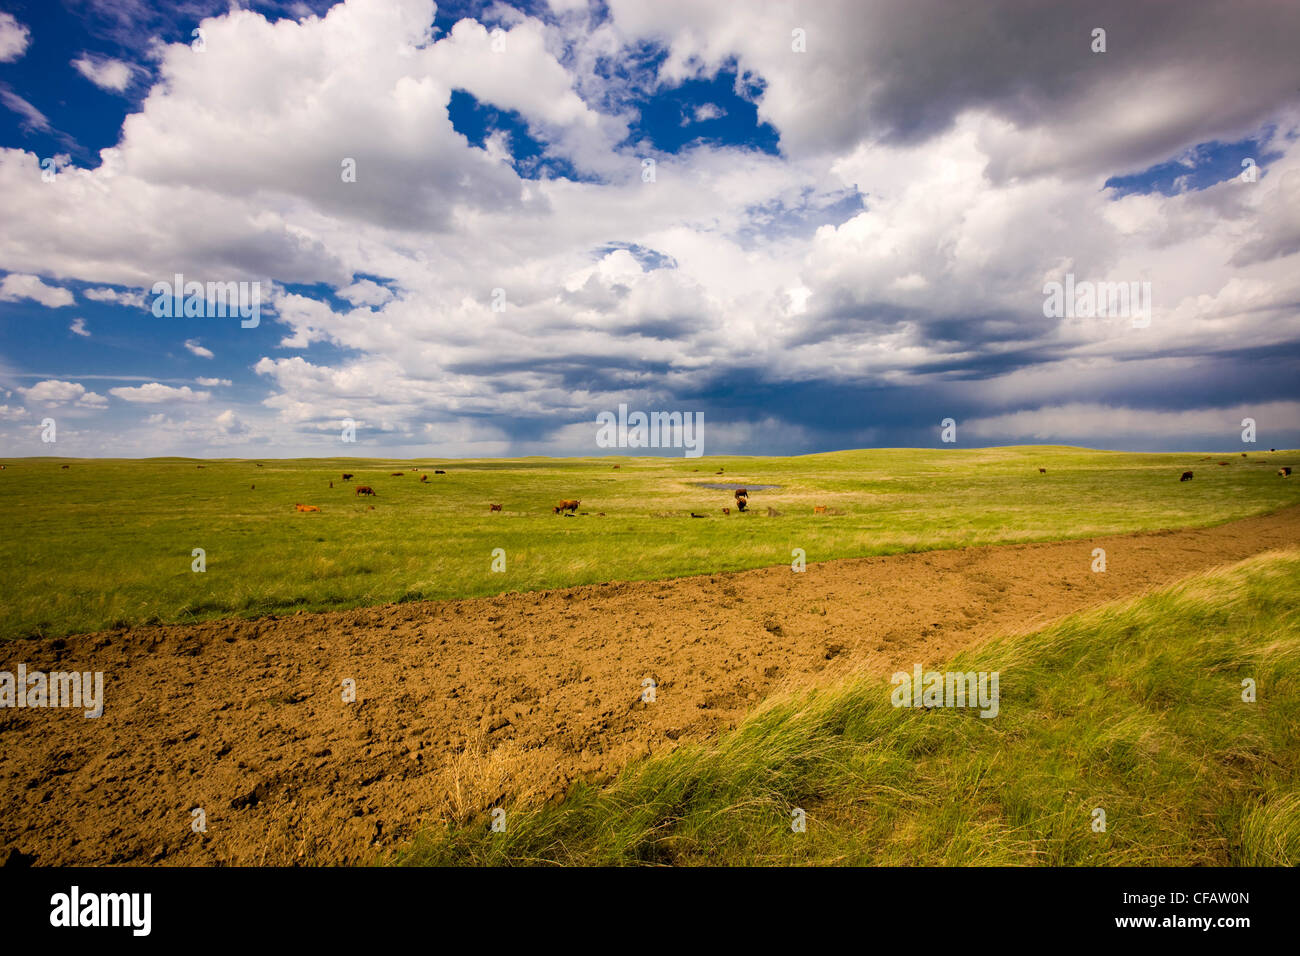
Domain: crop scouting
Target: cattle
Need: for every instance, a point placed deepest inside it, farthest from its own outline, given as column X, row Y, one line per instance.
column 1243, row 454
column 252, row 487
column 819, row 509
column 439, row 471
column 371, row 508
column 2, row 467
column 364, row 490
column 742, row 503
column 726, row 511
column 64, row 466
column 331, row 484
column 396, row 474
column 494, row 508
column 600, row 514
column 198, row 466
column 1272, row 449
column 742, row 492
column 258, row 464
column 1284, row 471
column 1042, row 471
column 1225, row 463
column 568, row 504
column 424, row 479
column 307, row 507
column 346, row 476
column 1187, row 476
column 694, row 515
column 617, row 467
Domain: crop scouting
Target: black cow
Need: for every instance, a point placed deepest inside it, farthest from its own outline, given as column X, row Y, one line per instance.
column 1187, row 476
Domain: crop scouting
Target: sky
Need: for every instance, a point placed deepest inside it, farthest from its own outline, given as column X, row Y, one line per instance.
column 474, row 227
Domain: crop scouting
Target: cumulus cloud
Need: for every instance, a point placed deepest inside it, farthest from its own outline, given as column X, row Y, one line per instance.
column 56, row 392
column 928, row 184
column 155, row 393
column 17, row 286
column 78, row 327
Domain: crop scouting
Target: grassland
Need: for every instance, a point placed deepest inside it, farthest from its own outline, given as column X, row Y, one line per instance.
column 109, row 542
column 1136, row 709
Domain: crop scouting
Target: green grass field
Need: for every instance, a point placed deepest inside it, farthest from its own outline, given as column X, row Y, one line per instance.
column 109, row 542
column 1136, row 709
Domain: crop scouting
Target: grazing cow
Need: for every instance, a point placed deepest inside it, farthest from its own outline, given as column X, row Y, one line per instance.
column 198, row 466
column 439, row 471
column 1284, row 471
column 252, row 487
column 1225, row 463
column 259, row 464
column 364, row 490
column 726, row 511
column 742, row 492
column 819, row 509
column 600, row 514
column 1243, row 454
column 617, row 467
column 568, row 504
column 396, row 474
column 306, row 507
column 63, row 466
column 331, row 484
column 1187, row 476
column 424, row 479
column 742, row 503
column 346, row 476
column 371, row 508
column 1271, row 449
column 1042, row 471
column 694, row 515
column 494, row 508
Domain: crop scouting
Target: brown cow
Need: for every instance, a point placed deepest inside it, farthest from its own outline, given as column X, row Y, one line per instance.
column 742, row 492
column 306, row 507
column 331, row 484
column 568, row 504
column 1042, row 471
column 396, row 474
column 424, row 479
column 617, row 467
column 1187, row 476
column 742, row 503
column 819, row 509
column 346, row 476
column 726, row 511
column 494, row 508
column 364, row 490
column 1285, row 471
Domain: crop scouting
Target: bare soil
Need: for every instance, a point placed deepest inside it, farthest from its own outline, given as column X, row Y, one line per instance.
column 461, row 704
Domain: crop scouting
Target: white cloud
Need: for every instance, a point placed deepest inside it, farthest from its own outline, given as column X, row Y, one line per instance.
column 17, row 286
column 194, row 347
column 14, row 38
column 8, row 414
column 120, row 297
column 78, row 327
column 105, row 72
column 212, row 382
column 33, row 119
column 155, row 393
column 56, row 392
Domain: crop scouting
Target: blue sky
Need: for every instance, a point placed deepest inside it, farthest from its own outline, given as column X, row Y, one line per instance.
column 820, row 227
